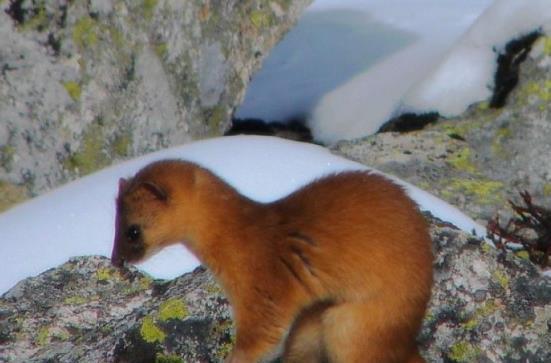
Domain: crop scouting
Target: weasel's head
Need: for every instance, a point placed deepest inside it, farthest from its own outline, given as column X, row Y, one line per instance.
column 146, row 213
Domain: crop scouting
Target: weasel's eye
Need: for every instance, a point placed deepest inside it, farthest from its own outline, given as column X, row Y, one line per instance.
column 133, row 233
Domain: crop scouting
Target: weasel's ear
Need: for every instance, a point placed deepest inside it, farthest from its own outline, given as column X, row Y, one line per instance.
column 122, row 184
column 157, row 191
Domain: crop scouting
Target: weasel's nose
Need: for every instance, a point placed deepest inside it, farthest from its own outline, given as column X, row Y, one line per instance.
column 117, row 261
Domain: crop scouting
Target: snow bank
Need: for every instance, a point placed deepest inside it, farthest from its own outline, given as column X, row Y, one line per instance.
column 78, row 218
column 462, row 77
column 466, row 74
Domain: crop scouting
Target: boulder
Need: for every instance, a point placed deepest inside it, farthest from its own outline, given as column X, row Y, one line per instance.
column 86, row 83
column 482, row 159
column 487, row 306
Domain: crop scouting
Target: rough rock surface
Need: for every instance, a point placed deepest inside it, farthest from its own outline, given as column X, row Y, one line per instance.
column 481, row 159
column 83, row 83
column 486, row 307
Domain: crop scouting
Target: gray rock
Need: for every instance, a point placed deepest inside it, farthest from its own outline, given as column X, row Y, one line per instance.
column 83, row 84
column 481, row 159
column 487, row 306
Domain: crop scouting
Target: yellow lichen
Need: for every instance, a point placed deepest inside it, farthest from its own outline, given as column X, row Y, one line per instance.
column 464, row 352
column 260, row 19
column 523, row 254
column 85, row 32
column 149, row 8
column 104, row 274
column 162, row 358
column 43, row 336
column 11, row 194
column 151, row 332
column 485, row 191
column 462, row 160
column 501, row 278
column 173, row 308
column 547, row 46
column 73, row 89
column 75, row 300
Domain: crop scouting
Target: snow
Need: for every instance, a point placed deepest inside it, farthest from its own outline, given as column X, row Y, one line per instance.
column 466, row 75
column 78, row 218
column 463, row 76
column 351, row 65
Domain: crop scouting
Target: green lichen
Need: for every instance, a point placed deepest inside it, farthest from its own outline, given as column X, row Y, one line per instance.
column 547, row 190
column 480, row 313
column 39, row 21
column 149, row 8
column 260, row 19
column 75, row 300
column 215, row 116
column 485, row 191
column 91, row 155
column 11, row 194
column 173, row 308
column 151, row 332
column 224, row 350
column 547, row 46
column 500, row 138
column 85, row 32
column 501, row 278
column 161, row 49
column 73, row 89
column 162, row 358
column 121, row 145
column 461, row 160
column 43, row 336
column 464, row 352
column 7, row 154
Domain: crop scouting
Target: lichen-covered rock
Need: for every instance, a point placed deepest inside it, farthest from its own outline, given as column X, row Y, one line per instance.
column 481, row 159
column 486, row 307
column 83, row 83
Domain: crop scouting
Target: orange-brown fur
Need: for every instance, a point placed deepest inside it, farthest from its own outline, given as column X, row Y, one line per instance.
column 343, row 265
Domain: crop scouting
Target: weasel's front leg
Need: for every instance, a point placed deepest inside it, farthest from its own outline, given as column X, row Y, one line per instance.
column 259, row 332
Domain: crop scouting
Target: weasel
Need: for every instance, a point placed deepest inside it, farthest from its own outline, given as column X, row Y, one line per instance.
column 338, row 271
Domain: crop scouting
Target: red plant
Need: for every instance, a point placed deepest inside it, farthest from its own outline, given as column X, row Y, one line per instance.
column 530, row 227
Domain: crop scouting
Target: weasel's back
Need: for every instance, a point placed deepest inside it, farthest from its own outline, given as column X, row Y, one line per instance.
column 363, row 229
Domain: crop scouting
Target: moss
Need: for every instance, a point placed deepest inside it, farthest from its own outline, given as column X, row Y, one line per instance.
column 485, row 191
column 75, row 300
column 85, row 32
column 161, row 49
column 11, row 194
column 161, row 358
column 43, row 336
column 464, row 352
column 173, row 308
column 462, row 160
column 91, row 155
column 73, row 89
column 501, row 278
column 151, row 332
column 260, row 19
column 149, row 8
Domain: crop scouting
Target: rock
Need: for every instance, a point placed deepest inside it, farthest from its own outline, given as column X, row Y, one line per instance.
column 481, row 159
column 83, row 84
column 487, row 306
